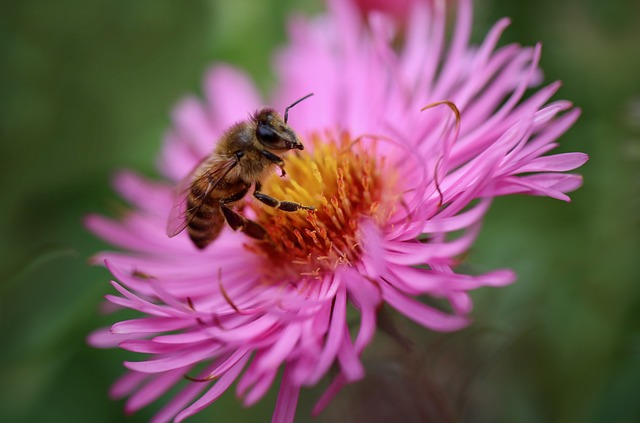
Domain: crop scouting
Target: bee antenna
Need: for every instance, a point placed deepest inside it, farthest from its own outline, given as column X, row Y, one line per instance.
column 286, row 111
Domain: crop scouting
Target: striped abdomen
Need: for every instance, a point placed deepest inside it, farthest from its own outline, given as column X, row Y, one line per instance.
column 206, row 220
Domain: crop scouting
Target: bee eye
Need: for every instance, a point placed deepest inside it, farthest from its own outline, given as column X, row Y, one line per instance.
column 266, row 135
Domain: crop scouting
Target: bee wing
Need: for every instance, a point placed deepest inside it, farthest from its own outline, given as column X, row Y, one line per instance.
column 177, row 217
column 181, row 214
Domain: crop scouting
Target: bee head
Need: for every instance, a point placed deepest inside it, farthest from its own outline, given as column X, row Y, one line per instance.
column 274, row 133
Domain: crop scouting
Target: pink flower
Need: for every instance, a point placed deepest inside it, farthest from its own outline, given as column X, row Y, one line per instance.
column 398, row 9
column 399, row 193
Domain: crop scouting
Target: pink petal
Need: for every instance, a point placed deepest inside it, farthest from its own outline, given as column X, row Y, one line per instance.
column 480, row 62
column 420, row 313
column 348, row 358
column 126, row 384
column 178, row 402
column 555, row 163
column 285, row 410
column 417, row 253
column 150, row 197
column 274, row 356
column 145, row 346
column 214, row 393
column 460, row 302
column 150, row 325
column 154, row 389
column 260, row 388
column 192, row 122
column 366, row 297
column 459, row 221
column 373, row 248
column 227, row 364
column 230, row 94
column 137, row 303
column 177, row 360
column 336, row 385
column 334, row 337
column 105, row 338
column 453, row 65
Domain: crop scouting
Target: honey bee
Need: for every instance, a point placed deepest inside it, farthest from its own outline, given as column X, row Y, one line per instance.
column 242, row 157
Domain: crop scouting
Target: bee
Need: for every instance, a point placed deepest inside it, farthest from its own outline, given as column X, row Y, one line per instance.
column 245, row 154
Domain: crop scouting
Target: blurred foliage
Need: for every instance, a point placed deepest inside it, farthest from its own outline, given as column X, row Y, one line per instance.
column 87, row 88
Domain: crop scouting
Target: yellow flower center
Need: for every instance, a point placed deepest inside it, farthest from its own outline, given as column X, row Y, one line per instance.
column 345, row 181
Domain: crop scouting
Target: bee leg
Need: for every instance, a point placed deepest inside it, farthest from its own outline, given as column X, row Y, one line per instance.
column 249, row 227
column 275, row 160
column 237, row 221
column 288, row 206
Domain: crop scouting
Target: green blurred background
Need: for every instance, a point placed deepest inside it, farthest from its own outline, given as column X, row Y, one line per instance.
column 86, row 88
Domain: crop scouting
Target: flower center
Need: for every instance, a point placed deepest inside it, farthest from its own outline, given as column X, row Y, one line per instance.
column 346, row 182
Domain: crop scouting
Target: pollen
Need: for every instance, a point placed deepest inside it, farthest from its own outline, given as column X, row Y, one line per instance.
column 346, row 182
